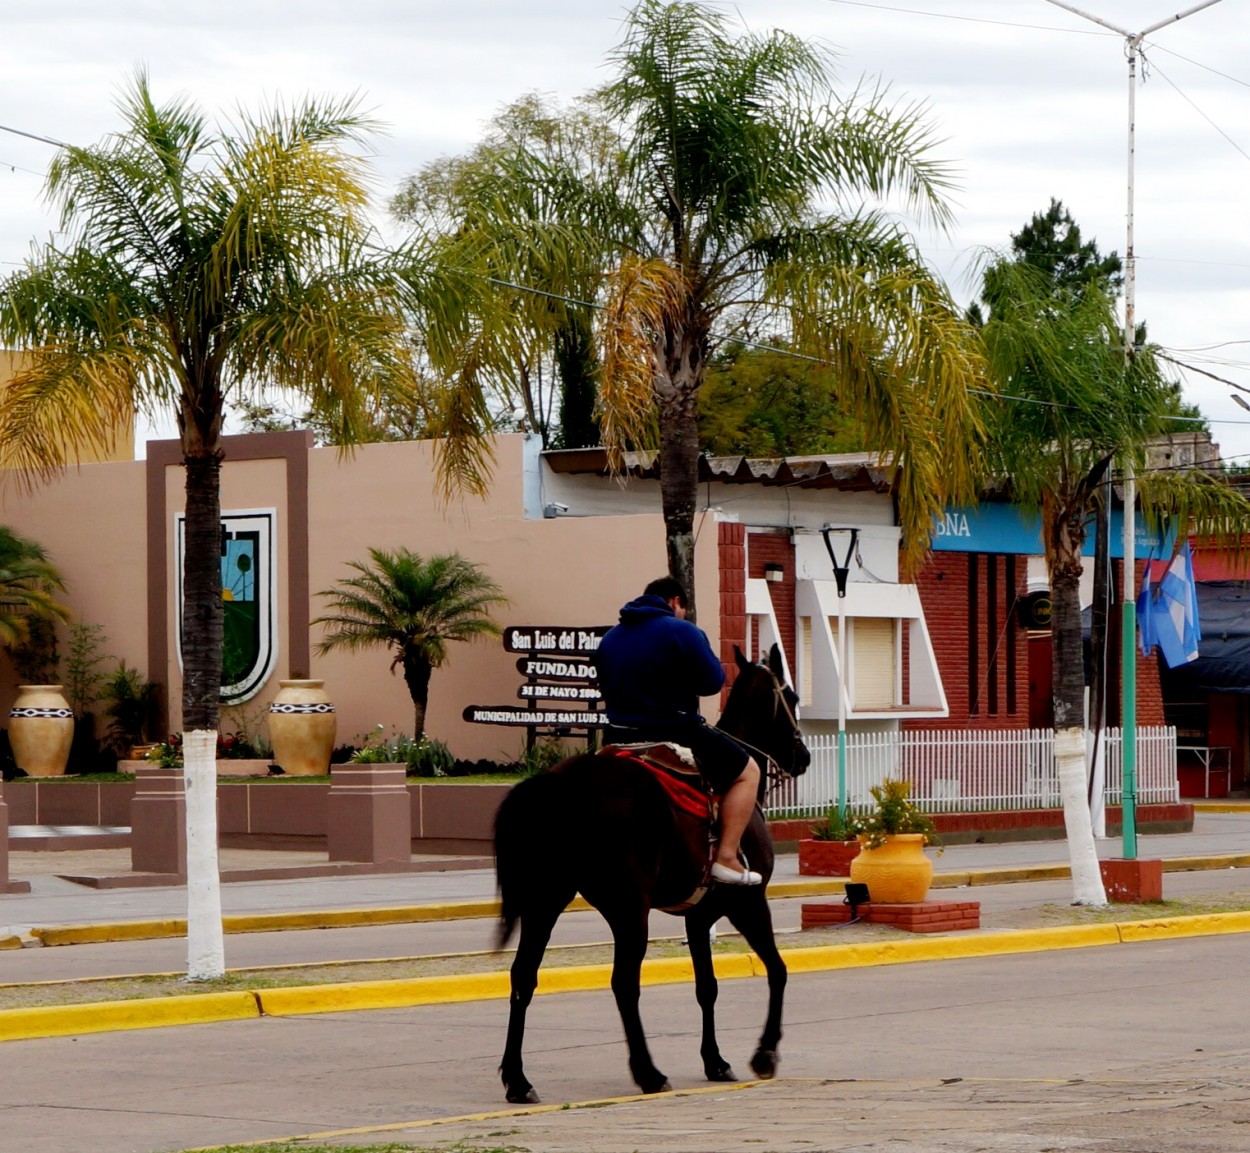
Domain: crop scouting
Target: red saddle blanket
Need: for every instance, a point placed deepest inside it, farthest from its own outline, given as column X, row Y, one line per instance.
column 687, row 791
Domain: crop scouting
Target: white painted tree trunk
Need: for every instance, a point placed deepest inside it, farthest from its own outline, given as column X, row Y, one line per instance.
column 1087, row 888
column 206, row 957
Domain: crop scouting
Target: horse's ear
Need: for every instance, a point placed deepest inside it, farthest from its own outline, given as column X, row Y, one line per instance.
column 775, row 663
column 741, row 658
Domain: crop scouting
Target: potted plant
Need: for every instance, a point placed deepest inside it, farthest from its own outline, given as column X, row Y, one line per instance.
column 830, row 848
column 892, row 836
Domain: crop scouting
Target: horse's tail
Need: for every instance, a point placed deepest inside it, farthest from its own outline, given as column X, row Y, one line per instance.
column 525, row 840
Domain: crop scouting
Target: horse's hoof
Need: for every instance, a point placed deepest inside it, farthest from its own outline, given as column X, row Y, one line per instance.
column 721, row 1072
column 657, row 1084
column 764, row 1064
column 522, row 1096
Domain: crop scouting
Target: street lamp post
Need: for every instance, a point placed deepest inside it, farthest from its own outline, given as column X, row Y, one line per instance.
column 1128, row 674
column 840, row 573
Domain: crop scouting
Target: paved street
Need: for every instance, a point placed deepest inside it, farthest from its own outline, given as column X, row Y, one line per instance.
column 1141, row 1048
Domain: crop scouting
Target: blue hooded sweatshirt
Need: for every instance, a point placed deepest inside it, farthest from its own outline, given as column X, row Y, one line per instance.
column 654, row 667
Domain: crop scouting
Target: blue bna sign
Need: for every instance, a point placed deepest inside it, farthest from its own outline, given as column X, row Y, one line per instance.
column 249, row 601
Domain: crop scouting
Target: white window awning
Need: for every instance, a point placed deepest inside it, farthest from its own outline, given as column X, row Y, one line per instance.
column 891, row 670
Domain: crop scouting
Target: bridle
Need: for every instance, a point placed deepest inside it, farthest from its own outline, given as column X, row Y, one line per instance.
column 774, row 774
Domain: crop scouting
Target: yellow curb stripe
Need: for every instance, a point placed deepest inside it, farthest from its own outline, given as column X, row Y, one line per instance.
column 121, row 931
column 111, row 1016
column 10, row 942
column 1200, row 925
column 360, row 995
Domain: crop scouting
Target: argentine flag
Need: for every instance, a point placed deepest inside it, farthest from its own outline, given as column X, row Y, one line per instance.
column 1169, row 614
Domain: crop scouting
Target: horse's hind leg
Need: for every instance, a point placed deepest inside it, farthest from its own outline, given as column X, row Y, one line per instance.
column 536, row 926
column 715, row 1067
column 753, row 919
column 629, row 935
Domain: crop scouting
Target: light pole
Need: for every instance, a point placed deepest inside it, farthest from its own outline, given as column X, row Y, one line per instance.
column 1128, row 646
column 840, row 573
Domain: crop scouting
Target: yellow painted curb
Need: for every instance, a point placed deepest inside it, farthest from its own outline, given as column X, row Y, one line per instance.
column 110, row 1016
column 272, row 922
column 122, row 931
column 1200, row 925
column 60, row 1020
column 935, row 948
column 298, row 1000
column 10, row 942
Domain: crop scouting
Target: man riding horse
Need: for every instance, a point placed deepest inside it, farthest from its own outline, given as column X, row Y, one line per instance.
column 652, row 668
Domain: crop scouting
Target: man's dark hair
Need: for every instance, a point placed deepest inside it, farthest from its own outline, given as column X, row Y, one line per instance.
column 666, row 588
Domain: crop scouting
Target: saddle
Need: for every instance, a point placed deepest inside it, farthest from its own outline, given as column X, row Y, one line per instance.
column 695, row 807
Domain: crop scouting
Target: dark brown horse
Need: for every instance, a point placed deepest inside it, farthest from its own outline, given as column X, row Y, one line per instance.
column 602, row 826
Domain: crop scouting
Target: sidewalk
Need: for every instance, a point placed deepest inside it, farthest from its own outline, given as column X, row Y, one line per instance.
column 1220, row 840
column 58, row 911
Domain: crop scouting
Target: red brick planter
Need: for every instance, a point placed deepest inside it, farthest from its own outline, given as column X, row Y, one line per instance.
column 826, row 858
column 1132, row 882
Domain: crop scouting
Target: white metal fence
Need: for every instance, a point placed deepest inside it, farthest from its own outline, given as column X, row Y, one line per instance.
column 965, row 771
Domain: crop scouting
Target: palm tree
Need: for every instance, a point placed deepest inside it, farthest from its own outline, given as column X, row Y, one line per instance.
column 27, row 581
column 200, row 265
column 1070, row 403
column 713, row 224
column 413, row 606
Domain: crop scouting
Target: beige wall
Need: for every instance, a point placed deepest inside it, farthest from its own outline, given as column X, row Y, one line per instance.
column 567, row 571
column 91, row 522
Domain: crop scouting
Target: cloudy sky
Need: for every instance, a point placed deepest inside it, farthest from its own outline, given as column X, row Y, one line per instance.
column 1030, row 101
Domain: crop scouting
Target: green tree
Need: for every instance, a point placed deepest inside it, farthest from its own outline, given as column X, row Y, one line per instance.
column 28, row 582
column 713, row 221
column 769, row 403
column 201, row 264
column 1070, row 404
column 413, row 606
column 511, row 207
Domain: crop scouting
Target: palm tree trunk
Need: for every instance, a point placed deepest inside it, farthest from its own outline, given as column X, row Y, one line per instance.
column 676, row 393
column 201, row 600
column 1069, row 696
column 417, row 677
column 201, row 693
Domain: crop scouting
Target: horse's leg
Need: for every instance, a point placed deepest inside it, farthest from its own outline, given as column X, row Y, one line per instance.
column 753, row 919
column 629, row 935
column 698, row 939
column 536, row 926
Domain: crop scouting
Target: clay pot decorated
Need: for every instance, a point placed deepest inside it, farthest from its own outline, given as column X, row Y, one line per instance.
column 41, row 730
column 302, row 727
column 896, row 872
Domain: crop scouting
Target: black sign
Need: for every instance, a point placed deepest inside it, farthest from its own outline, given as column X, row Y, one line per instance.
column 571, row 640
column 544, row 718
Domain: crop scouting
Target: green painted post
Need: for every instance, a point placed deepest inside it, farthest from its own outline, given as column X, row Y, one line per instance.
column 1128, row 677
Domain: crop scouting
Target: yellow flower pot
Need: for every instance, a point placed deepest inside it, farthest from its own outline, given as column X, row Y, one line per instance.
column 897, row 872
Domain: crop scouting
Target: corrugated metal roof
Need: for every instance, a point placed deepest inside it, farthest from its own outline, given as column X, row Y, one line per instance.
column 853, row 472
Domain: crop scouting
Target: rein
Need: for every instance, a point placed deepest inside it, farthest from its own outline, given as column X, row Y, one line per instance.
column 774, row 775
